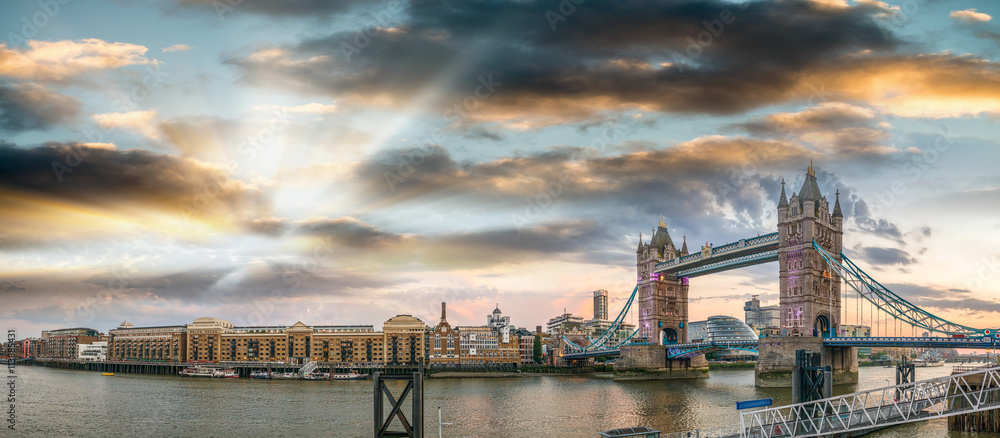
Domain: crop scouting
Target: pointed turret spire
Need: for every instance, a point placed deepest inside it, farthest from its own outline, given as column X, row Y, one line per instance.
column 836, row 207
column 684, row 247
column 783, row 201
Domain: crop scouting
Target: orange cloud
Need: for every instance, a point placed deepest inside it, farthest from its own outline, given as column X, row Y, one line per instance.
column 923, row 86
column 970, row 16
column 60, row 60
column 142, row 122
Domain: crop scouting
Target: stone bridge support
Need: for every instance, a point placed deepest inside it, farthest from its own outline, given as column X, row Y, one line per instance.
column 649, row 362
column 777, row 359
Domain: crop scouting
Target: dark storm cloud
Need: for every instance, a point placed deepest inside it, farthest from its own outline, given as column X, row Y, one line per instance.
column 605, row 55
column 351, row 238
column 186, row 285
column 693, row 183
column 703, row 187
column 107, row 177
column 286, row 8
column 28, row 107
column 350, row 232
column 887, row 256
column 874, row 225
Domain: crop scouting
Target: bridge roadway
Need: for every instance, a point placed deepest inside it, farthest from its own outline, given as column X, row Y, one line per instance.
column 691, row 349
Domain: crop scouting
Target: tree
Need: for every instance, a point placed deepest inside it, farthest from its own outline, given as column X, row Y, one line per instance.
column 537, row 351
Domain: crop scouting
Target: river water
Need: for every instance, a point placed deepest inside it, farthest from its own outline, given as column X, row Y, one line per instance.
column 56, row 403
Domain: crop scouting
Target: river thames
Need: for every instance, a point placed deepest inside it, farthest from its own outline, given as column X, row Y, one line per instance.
column 57, row 403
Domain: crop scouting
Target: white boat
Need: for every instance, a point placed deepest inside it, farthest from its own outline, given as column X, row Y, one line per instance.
column 197, row 372
column 928, row 362
column 353, row 375
column 226, row 373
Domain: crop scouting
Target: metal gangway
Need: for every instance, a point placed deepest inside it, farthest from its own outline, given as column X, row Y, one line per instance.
column 974, row 391
column 308, row 368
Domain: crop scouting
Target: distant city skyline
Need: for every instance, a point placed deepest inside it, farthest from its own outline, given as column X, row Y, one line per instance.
column 346, row 162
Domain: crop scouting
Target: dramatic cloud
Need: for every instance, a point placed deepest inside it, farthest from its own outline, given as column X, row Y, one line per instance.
column 605, row 56
column 878, row 226
column 60, row 61
column 27, row 107
column 142, row 122
column 292, row 8
column 831, row 127
column 108, row 188
column 970, row 16
column 508, row 245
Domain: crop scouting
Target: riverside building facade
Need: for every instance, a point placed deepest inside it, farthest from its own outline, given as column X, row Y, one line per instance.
column 403, row 341
column 64, row 343
column 167, row 343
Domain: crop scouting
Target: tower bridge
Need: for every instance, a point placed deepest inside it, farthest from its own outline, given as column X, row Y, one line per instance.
column 808, row 247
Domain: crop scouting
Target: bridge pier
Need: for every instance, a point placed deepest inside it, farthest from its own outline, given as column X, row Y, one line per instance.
column 649, row 362
column 776, row 360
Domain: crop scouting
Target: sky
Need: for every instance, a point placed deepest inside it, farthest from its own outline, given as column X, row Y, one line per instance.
column 342, row 162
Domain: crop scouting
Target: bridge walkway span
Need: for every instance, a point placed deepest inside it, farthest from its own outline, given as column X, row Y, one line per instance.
column 973, row 391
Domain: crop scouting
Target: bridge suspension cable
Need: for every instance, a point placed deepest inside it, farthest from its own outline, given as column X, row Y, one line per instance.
column 890, row 303
column 609, row 333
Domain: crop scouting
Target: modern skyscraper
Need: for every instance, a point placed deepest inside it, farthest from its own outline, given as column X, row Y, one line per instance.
column 601, row 304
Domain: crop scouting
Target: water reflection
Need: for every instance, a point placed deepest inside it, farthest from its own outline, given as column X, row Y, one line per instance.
column 78, row 403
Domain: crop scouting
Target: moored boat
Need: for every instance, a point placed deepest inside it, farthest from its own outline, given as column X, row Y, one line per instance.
column 197, row 371
column 107, row 374
column 353, row 375
column 226, row 373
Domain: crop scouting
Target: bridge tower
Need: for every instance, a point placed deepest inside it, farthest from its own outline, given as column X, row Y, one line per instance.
column 809, row 290
column 663, row 316
column 663, row 299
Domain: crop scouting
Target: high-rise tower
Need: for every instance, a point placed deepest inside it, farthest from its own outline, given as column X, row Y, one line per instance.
column 809, row 289
column 601, row 304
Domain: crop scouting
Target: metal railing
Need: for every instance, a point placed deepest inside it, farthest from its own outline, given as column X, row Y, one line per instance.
column 918, row 401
